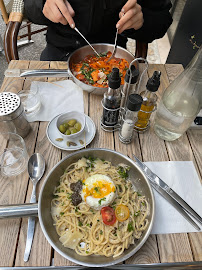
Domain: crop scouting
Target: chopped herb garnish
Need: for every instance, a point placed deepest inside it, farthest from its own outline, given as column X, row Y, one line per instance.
column 136, row 214
column 143, row 203
column 61, row 213
column 138, row 194
column 130, row 227
column 103, row 54
column 101, row 232
column 87, row 252
column 123, row 171
column 80, row 223
column 100, row 201
column 97, row 189
column 69, row 195
column 120, row 188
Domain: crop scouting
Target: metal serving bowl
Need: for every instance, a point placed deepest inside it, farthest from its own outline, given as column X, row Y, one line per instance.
column 46, row 195
column 82, row 52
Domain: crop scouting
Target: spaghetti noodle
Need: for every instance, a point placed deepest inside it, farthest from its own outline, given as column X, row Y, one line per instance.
column 82, row 228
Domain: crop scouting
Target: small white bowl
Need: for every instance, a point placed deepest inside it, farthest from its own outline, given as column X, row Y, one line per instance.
column 65, row 117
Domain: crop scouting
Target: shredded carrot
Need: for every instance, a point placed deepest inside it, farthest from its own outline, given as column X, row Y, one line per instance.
column 94, row 70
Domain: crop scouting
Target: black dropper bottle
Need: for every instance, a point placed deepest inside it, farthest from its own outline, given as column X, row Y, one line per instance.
column 130, row 82
column 112, row 99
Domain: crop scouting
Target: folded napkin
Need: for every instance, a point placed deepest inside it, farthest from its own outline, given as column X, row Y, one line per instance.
column 57, row 97
column 182, row 177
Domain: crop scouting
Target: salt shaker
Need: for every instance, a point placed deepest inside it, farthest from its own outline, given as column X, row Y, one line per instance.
column 133, row 106
column 12, row 118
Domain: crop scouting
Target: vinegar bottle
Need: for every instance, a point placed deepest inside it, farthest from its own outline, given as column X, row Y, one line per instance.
column 180, row 102
column 112, row 99
column 149, row 102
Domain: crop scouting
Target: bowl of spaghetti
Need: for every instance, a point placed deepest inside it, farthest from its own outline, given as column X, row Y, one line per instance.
column 96, row 207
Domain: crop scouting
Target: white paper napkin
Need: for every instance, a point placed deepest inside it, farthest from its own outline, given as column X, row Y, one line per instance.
column 182, row 177
column 57, row 97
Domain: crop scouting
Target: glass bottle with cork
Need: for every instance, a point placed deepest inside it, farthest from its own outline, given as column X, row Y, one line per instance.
column 133, row 106
column 149, row 102
column 112, row 100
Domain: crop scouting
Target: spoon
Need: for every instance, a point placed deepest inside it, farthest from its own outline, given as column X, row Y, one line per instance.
column 36, row 168
column 87, row 41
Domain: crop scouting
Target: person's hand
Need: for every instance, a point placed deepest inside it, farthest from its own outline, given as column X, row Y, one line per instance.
column 59, row 11
column 131, row 16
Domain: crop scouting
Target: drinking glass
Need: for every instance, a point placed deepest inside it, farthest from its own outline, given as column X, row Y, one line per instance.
column 13, row 154
column 28, row 92
column 30, row 99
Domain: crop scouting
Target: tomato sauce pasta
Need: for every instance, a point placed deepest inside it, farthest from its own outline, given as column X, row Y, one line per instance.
column 94, row 70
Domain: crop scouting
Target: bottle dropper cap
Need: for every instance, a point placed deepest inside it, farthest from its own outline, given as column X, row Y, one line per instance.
column 154, row 82
column 135, row 74
column 114, row 80
column 134, row 102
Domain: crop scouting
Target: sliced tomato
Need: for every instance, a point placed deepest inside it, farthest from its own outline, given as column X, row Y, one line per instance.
column 122, row 212
column 108, row 215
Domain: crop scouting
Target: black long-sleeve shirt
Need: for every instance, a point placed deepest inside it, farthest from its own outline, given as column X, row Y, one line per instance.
column 97, row 19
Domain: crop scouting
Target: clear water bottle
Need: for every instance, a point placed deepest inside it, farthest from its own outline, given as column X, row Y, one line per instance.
column 180, row 102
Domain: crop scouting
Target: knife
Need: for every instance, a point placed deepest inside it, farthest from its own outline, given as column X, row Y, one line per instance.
column 170, row 195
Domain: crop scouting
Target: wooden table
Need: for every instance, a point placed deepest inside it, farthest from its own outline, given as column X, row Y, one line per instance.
column 184, row 247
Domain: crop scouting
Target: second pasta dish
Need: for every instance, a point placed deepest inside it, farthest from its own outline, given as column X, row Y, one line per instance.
column 96, row 209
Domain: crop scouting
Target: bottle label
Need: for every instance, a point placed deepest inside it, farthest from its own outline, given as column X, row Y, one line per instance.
column 110, row 118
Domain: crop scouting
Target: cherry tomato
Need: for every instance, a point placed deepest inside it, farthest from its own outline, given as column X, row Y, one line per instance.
column 108, row 215
column 122, row 212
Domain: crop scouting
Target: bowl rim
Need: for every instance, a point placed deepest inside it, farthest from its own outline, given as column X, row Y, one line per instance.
column 74, row 134
column 114, row 261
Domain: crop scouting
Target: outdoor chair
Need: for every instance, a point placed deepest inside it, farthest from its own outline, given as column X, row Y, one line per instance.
column 13, row 16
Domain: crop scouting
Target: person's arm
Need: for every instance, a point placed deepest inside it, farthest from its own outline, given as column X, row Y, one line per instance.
column 156, row 20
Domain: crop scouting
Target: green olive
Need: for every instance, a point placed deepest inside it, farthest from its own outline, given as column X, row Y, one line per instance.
column 77, row 126
column 67, row 132
column 72, row 122
column 74, row 130
column 62, row 128
column 66, row 125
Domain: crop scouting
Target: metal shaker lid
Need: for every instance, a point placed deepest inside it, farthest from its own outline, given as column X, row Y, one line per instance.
column 10, row 106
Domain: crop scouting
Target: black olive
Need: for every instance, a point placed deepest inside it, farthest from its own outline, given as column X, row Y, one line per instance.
column 76, row 198
column 76, row 187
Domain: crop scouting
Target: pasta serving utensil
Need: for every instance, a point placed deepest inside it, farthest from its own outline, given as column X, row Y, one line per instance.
column 87, row 41
column 170, row 195
column 115, row 46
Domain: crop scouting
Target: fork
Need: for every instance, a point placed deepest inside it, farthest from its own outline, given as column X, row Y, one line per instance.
column 115, row 46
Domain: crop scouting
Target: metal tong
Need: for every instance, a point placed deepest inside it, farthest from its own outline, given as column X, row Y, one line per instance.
column 170, row 195
column 87, row 41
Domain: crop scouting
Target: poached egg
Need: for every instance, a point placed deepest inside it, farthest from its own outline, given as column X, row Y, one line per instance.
column 98, row 191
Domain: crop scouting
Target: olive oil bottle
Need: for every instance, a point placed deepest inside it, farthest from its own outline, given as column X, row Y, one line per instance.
column 149, row 102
